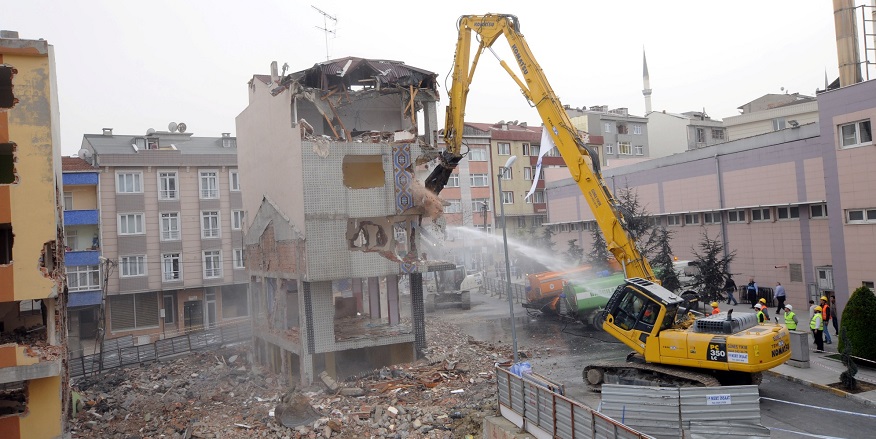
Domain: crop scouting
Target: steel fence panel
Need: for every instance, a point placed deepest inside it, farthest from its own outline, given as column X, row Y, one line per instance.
column 582, row 425
column 737, row 404
column 197, row 341
column 563, row 413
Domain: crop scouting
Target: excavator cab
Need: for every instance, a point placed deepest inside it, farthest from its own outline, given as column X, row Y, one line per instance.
column 637, row 310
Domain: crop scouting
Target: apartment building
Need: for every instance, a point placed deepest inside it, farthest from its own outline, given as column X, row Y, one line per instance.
column 672, row 133
column 34, row 388
column 170, row 233
column 82, row 251
column 625, row 136
column 795, row 205
column 771, row 112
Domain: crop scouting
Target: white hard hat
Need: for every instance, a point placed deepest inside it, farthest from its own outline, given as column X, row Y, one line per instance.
column 789, row 307
column 758, row 306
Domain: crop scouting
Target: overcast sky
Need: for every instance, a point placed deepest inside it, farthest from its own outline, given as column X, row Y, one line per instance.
column 134, row 65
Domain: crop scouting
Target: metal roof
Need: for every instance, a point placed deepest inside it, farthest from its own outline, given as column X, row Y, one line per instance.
column 185, row 144
column 353, row 71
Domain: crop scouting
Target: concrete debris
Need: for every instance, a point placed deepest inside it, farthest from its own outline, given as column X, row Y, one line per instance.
column 199, row 397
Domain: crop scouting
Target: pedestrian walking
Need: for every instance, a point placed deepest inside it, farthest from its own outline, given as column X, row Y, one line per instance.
column 730, row 288
column 834, row 317
column 817, row 326
column 760, row 315
column 780, row 297
column 790, row 318
column 825, row 317
column 764, row 308
column 715, row 309
column 751, row 290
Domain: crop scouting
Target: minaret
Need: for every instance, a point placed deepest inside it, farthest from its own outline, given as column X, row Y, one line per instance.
column 647, row 82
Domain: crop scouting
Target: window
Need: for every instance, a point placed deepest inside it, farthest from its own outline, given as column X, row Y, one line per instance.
column 479, row 180
column 786, row 213
column 134, row 311
column 129, row 182
column 760, row 214
column 624, row 148
column 691, row 219
column 481, row 227
column 818, row 211
column 526, row 150
column 637, row 129
column 541, row 174
column 209, row 185
column 508, row 174
column 453, row 181
column 236, row 219
column 170, row 226
column 477, row 204
column 736, row 216
column 167, row 187
column 72, row 239
column 673, row 220
column 453, row 207
column 132, row 266
column 639, row 149
column 521, row 222
column 83, row 278
column 503, row 148
column 130, row 224
column 868, row 283
column 538, row 221
column 169, row 309
column 171, row 267
column 537, row 197
column 68, row 200
column 718, row 134
column 527, row 173
column 622, row 128
column 553, row 152
column 234, row 180
column 507, row 197
column 212, row 264
column 861, row 216
column 609, row 148
column 477, row 154
column 701, row 135
column 237, row 256
column 856, row 134
column 607, row 127
column 778, row 123
column 210, row 224
column 712, row 218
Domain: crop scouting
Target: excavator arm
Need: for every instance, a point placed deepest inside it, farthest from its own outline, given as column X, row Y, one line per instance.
column 583, row 163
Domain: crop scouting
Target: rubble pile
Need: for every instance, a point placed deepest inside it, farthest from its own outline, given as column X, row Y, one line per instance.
column 220, row 394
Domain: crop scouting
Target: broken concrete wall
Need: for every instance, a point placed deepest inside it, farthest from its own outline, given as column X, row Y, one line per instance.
column 381, row 113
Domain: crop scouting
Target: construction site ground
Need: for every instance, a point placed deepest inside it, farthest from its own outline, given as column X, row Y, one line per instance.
column 446, row 394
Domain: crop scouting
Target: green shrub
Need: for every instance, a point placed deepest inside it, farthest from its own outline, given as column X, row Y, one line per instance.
column 858, row 320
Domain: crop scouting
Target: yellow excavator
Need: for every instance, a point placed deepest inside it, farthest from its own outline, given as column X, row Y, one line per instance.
column 671, row 346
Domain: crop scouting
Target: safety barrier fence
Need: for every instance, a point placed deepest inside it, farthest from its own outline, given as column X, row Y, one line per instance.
column 545, row 413
column 499, row 287
column 121, row 352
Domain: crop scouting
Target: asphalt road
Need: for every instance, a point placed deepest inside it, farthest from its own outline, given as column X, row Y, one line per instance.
column 559, row 351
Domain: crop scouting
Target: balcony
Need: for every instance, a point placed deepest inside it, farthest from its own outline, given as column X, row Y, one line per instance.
column 81, row 217
column 82, row 257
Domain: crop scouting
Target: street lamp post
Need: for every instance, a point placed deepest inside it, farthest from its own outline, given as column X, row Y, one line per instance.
column 484, row 206
column 502, row 171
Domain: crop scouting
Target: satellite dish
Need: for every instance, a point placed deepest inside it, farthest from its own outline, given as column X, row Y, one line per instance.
column 181, row 127
column 172, row 127
column 150, row 131
column 84, row 154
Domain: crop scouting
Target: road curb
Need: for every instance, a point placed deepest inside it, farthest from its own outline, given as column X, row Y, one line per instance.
column 836, row 392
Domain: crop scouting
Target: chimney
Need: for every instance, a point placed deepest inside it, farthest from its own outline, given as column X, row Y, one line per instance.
column 107, row 131
column 10, row 34
column 849, row 60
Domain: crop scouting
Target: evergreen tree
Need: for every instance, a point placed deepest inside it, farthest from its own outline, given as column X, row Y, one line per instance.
column 712, row 265
column 598, row 255
column 574, row 254
column 662, row 262
column 858, row 321
column 639, row 222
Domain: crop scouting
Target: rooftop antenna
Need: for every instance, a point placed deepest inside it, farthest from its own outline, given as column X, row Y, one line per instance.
column 325, row 18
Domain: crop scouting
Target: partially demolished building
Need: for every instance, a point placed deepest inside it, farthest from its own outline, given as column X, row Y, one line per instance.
column 326, row 158
column 34, row 392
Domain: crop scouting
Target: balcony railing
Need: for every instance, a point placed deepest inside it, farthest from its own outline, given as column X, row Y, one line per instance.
column 81, row 217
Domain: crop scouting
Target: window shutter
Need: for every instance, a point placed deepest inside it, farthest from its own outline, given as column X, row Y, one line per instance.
column 147, row 309
column 122, row 312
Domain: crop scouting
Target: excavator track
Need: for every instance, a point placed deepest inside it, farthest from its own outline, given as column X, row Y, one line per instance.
column 644, row 374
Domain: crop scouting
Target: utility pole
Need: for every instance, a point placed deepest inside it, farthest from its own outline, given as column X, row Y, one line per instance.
column 325, row 18
column 106, row 266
